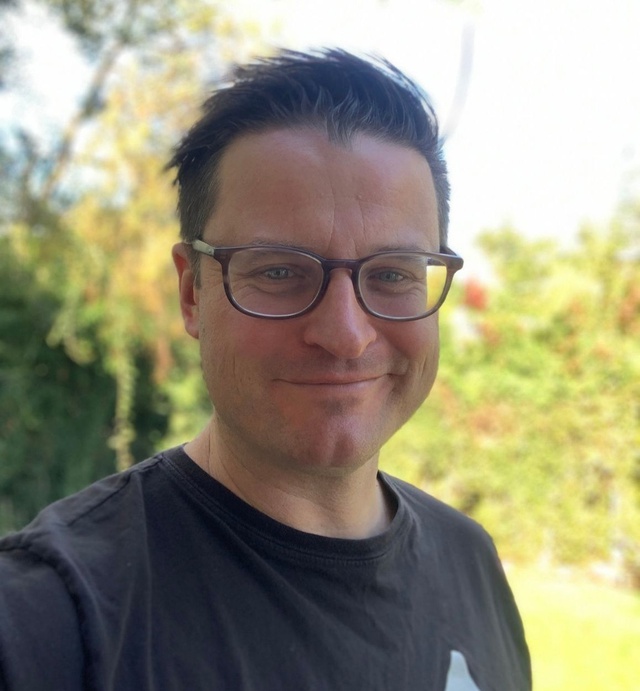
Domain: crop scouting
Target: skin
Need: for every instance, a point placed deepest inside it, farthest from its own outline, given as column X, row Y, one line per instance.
column 302, row 406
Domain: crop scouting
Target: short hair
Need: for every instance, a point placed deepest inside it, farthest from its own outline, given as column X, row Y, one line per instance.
column 328, row 89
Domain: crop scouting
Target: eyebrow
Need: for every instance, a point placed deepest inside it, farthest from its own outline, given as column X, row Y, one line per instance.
column 259, row 242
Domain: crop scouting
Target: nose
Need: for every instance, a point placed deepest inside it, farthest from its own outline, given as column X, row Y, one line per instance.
column 338, row 324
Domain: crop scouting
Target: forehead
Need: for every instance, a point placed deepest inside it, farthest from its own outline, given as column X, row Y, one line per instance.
column 296, row 179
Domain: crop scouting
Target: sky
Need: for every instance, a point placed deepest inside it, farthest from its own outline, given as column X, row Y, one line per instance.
column 548, row 136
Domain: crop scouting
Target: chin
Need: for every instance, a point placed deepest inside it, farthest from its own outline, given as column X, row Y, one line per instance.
column 335, row 452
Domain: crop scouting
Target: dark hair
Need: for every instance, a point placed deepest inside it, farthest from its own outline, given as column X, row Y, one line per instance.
column 329, row 89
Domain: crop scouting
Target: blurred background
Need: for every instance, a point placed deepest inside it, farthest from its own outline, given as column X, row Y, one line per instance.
column 533, row 427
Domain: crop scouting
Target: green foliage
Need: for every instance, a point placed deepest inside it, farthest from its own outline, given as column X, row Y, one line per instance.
column 56, row 415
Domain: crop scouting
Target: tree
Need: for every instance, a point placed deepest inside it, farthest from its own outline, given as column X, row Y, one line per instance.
column 54, row 413
column 90, row 224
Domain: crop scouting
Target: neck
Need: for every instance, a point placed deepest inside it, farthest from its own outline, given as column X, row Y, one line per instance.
column 350, row 504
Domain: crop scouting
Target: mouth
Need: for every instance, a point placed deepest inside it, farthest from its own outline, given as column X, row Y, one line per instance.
column 334, row 381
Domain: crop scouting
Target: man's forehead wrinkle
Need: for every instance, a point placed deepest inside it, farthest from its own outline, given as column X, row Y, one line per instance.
column 324, row 197
column 363, row 218
column 335, row 196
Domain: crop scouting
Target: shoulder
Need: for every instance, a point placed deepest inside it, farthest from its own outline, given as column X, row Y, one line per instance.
column 53, row 572
column 466, row 565
column 436, row 517
column 86, row 531
column 102, row 504
column 39, row 626
column 480, row 616
column 100, row 496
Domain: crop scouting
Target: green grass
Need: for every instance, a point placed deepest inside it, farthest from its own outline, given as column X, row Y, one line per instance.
column 583, row 636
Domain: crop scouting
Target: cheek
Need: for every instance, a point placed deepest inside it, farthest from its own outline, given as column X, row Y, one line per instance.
column 420, row 341
column 219, row 350
column 421, row 346
column 236, row 347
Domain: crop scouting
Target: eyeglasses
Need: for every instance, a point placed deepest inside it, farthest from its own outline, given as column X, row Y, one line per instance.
column 276, row 282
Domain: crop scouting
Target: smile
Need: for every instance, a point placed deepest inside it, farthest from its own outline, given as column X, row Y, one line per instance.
column 334, row 381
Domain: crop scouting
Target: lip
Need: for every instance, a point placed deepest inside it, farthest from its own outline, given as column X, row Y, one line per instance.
column 333, row 381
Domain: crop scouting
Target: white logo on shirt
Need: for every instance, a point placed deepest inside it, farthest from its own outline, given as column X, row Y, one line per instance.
column 458, row 678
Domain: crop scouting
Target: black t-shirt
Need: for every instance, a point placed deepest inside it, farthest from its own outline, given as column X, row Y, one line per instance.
column 161, row 578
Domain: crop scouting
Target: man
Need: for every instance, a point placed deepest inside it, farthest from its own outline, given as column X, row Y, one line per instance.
column 269, row 553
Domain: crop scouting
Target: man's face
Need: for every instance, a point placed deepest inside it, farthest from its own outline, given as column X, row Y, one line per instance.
column 322, row 392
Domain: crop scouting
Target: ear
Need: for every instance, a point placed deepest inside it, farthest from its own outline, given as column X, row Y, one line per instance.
column 188, row 291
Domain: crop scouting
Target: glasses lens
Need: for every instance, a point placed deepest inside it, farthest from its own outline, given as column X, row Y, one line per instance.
column 274, row 282
column 402, row 285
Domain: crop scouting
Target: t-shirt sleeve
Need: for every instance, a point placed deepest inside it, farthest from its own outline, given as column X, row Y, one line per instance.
column 40, row 642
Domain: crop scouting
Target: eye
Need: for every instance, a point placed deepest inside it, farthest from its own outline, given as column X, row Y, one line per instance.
column 389, row 276
column 278, row 273
column 276, row 279
column 394, row 275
